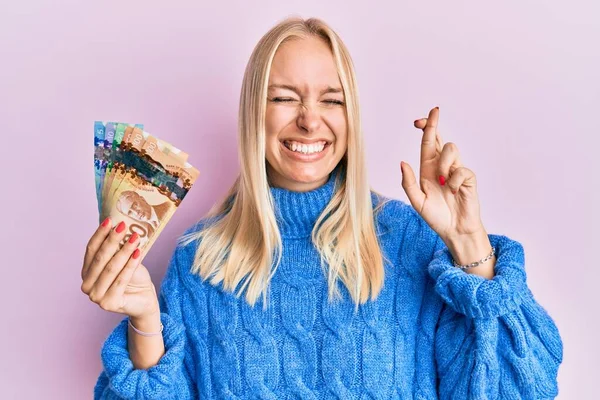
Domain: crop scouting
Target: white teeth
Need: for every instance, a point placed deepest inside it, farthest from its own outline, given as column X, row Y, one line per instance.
column 306, row 149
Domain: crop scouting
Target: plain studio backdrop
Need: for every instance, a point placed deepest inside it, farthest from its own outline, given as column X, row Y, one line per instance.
column 517, row 87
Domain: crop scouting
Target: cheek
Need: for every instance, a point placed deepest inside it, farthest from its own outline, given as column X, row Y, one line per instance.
column 339, row 127
column 272, row 150
column 275, row 120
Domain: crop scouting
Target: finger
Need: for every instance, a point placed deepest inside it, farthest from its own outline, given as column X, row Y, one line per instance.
column 439, row 144
column 449, row 161
column 94, row 244
column 428, row 142
column 421, row 123
column 117, row 289
column 106, row 251
column 113, row 268
column 410, row 186
column 461, row 177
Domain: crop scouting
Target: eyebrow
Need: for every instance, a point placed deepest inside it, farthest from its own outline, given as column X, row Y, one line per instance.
column 328, row 89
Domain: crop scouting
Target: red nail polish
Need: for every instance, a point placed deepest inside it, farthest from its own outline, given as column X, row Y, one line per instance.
column 120, row 227
column 136, row 254
column 437, row 108
column 105, row 222
column 133, row 237
column 416, row 120
column 442, row 180
column 453, row 191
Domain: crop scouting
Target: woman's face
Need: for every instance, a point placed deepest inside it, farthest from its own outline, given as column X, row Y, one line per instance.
column 134, row 206
column 306, row 128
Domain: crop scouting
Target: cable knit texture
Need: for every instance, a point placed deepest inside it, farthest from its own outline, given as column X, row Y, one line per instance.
column 433, row 332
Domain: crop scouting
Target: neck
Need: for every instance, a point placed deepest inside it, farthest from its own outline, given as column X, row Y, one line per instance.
column 298, row 211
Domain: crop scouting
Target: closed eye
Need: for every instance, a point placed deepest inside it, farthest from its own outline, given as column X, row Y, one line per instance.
column 282, row 99
column 289, row 100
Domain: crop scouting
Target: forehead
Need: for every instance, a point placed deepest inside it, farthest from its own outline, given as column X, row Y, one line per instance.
column 304, row 63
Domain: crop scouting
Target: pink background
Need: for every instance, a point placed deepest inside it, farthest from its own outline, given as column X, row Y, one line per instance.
column 517, row 87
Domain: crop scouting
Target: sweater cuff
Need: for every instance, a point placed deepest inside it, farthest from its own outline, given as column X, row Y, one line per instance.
column 154, row 382
column 476, row 296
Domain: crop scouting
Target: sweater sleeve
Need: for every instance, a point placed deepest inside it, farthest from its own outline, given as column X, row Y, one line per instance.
column 172, row 377
column 492, row 340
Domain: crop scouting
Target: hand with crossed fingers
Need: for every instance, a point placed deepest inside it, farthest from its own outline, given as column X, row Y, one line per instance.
column 446, row 197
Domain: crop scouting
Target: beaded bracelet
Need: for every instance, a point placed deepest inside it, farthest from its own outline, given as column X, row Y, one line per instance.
column 145, row 333
column 476, row 263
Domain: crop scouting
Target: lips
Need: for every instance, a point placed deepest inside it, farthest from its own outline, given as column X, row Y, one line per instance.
column 304, row 141
column 305, row 157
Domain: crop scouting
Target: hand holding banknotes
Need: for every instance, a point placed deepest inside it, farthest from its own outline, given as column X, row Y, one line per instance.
column 114, row 277
column 140, row 182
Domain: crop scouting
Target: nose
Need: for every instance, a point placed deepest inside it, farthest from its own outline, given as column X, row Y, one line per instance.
column 309, row 119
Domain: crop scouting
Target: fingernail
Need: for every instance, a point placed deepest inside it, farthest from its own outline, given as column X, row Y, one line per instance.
column 442, row 180
column 453, row 191
column 120, row 227
column 133, row 237
column 416, row 120
column 136, row 254
column 437, row 108
column 105, row 222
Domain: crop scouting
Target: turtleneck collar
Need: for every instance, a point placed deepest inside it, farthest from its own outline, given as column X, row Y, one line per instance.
column 297, row 212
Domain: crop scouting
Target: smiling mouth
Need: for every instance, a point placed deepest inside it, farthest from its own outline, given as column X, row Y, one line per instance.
column 301, row 148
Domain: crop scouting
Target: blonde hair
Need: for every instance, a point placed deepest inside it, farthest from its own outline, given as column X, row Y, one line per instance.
column 238, row 248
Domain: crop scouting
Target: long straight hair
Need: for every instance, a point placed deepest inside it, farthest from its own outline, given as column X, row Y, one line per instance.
column 239, row 247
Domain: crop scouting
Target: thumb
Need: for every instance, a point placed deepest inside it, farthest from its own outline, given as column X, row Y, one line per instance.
column 410, row 186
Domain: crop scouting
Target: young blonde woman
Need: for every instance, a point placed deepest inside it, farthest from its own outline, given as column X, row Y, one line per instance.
column 306, row 284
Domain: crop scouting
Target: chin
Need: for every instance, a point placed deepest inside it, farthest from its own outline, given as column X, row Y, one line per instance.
column 307, row 176
column 300, row 174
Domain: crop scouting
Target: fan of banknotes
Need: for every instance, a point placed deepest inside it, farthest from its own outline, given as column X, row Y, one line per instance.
column 140, row 179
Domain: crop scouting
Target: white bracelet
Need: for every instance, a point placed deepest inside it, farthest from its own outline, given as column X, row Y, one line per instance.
column 476, row 263
column 145, row 333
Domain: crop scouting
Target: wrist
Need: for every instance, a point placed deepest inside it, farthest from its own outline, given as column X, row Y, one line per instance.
column 466, row 249
column 148, row 322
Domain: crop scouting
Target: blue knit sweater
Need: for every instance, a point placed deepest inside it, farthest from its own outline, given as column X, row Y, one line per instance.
column 433, row 332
